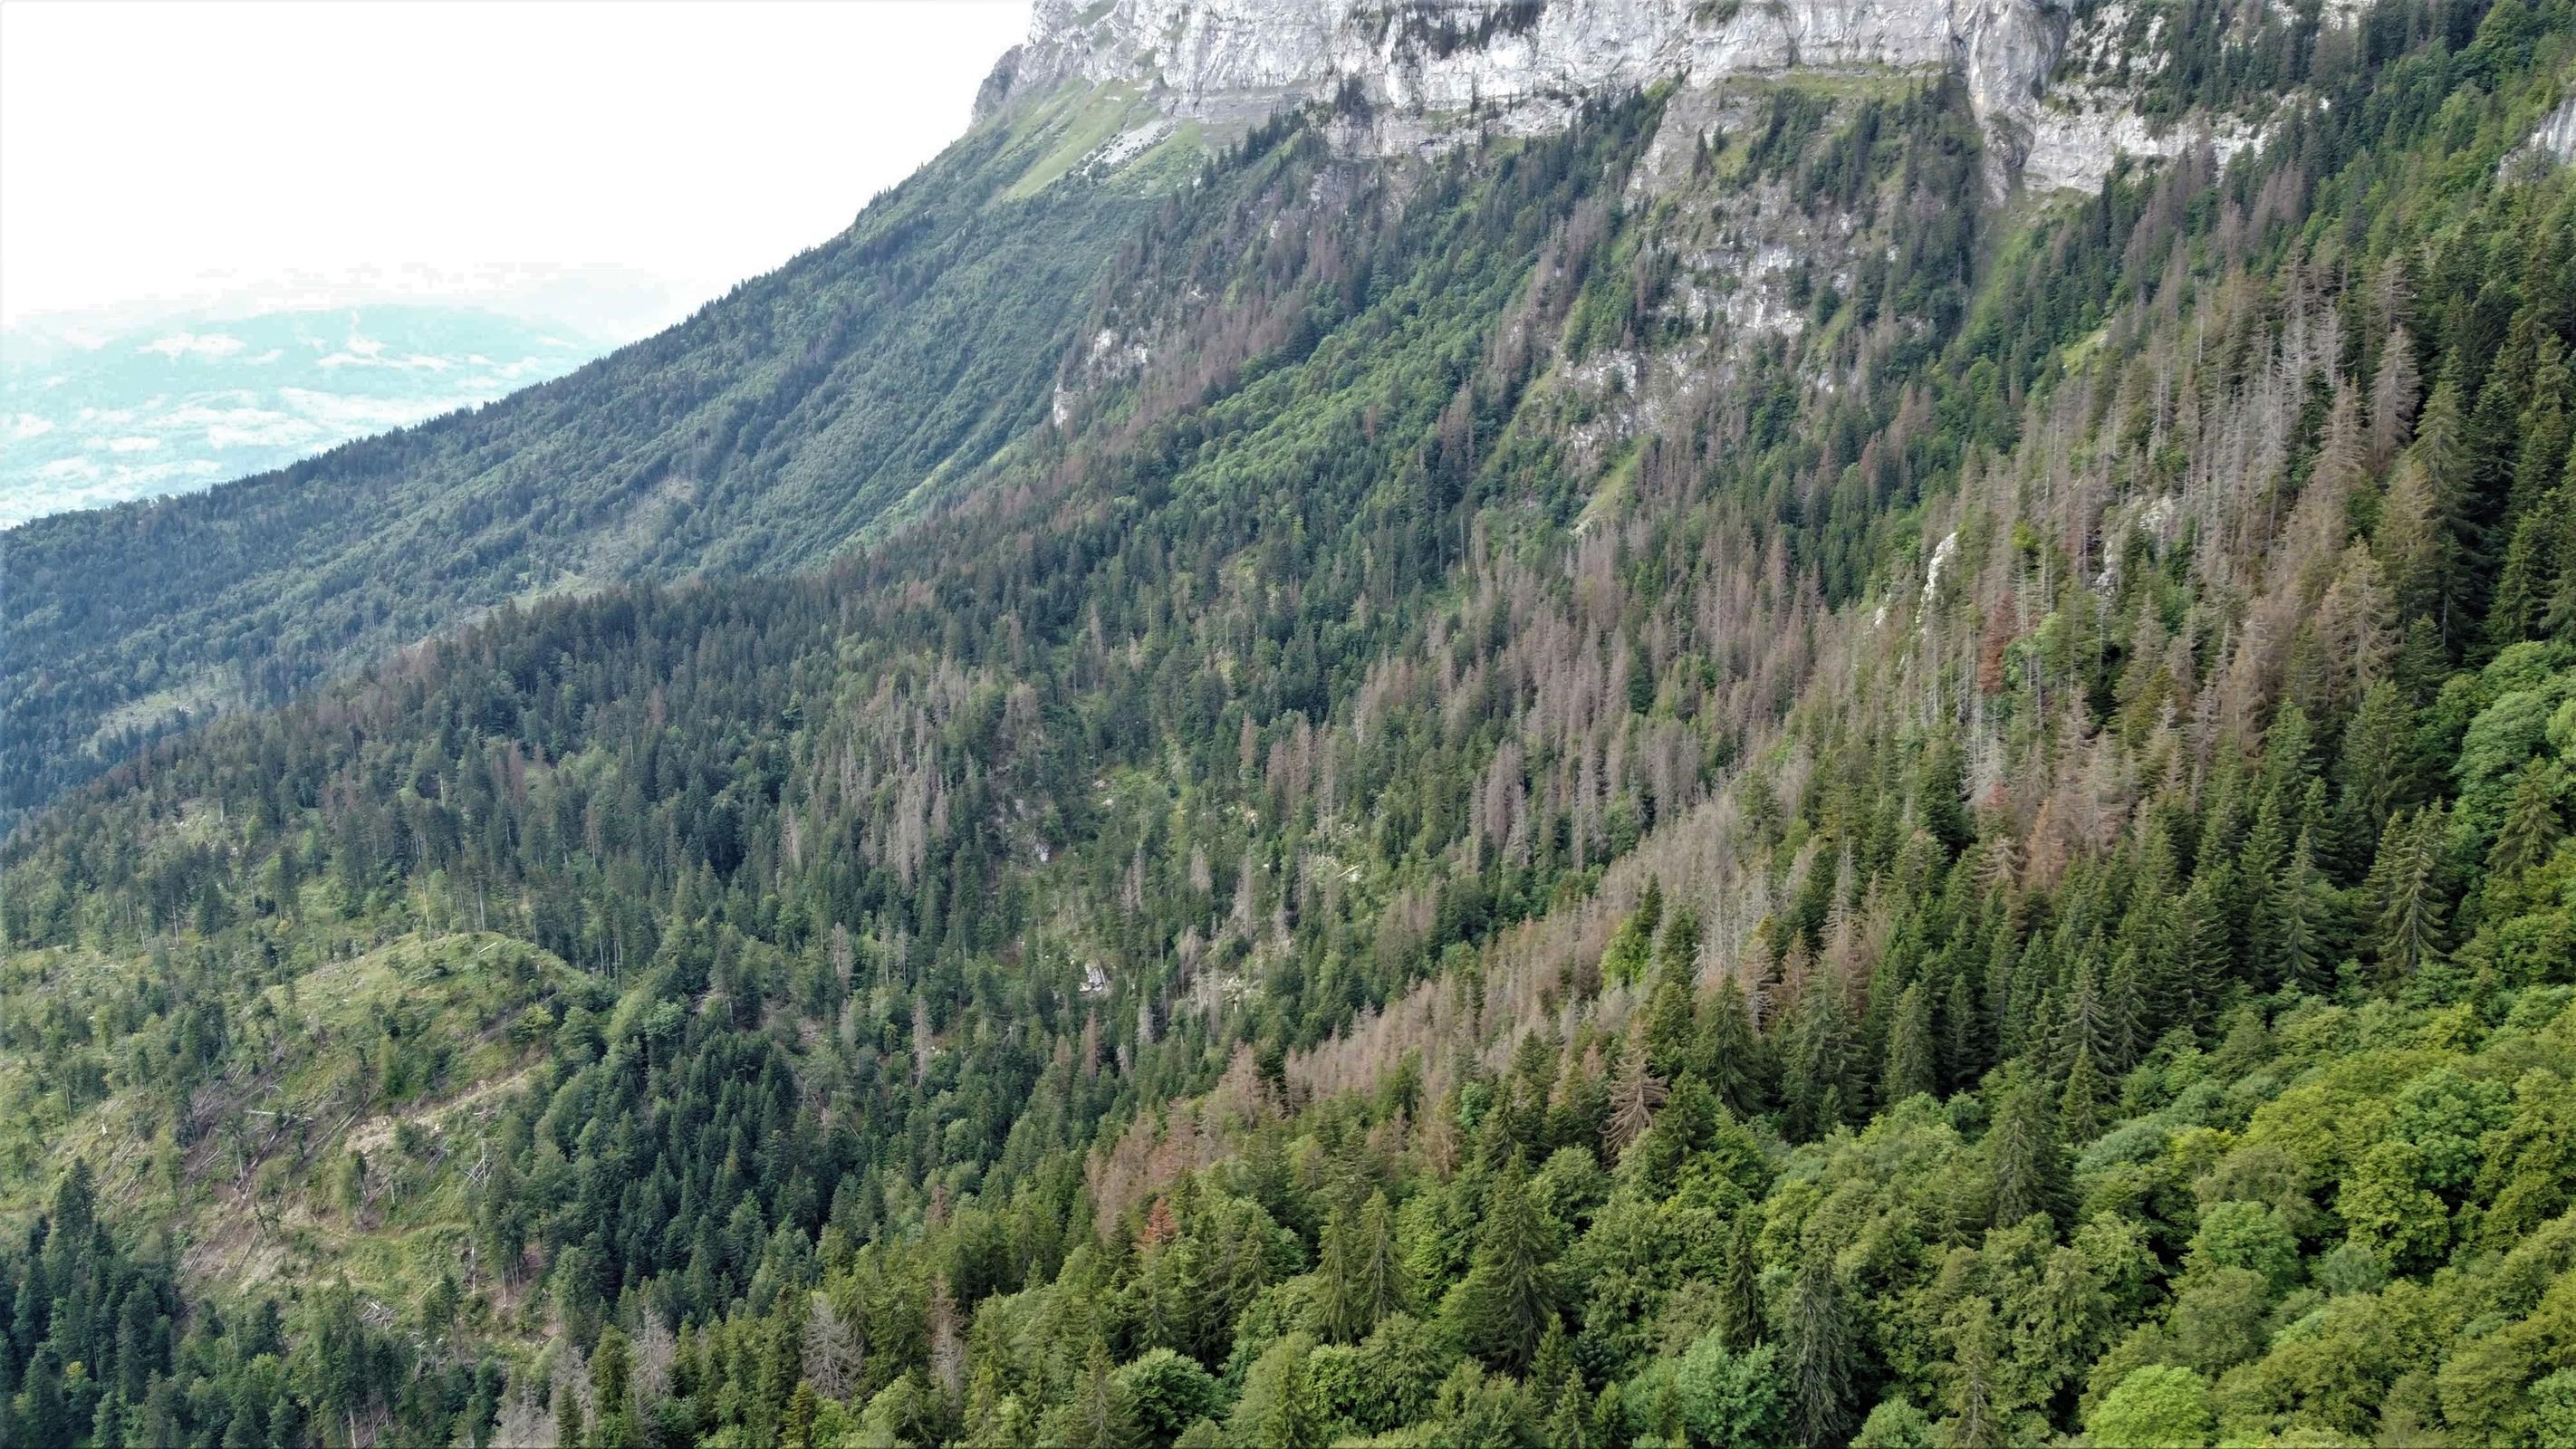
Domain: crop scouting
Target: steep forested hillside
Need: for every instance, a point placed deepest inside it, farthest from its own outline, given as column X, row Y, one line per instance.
column 1675, row 781
column 768, row 431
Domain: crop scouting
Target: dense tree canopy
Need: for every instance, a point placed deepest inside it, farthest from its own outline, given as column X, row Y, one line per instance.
column 1466, row 847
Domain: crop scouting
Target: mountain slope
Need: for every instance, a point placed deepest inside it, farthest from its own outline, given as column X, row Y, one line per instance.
column 1677, row 780
column 767, row 431
column 776, row 427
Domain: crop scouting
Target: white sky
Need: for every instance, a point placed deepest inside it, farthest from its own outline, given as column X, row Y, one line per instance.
column 626, row 160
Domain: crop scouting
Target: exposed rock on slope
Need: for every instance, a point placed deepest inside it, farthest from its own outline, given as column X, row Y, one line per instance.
column 1532, row 62
column 2556, row 138
column 1525, row 65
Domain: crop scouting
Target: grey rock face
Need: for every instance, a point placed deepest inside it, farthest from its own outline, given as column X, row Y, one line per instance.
column 1530, row 60
column 2556, row 137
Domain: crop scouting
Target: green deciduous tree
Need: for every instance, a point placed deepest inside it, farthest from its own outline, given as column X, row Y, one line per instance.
column 2160, row 1407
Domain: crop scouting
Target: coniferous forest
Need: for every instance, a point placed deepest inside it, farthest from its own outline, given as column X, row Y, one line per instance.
column 1401, row 813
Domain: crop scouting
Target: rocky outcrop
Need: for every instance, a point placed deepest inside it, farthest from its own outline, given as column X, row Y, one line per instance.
column 2089, row 117
column 2554, row 144
column 1525, row 63
column 2079, row 134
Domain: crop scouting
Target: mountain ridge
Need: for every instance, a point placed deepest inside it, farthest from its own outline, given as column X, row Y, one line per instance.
column 1110, row 93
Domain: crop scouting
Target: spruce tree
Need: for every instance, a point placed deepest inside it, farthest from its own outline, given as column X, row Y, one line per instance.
column 2300, row 919
column 2258, row 866
column 2204, row 952
column 1820, row 1354
column 2406, row 890
column 1509, row 1296
column 1606, row 1422
column 2026, row 1158
column 1550, row 1369
column 45, row 1421
column 1739, row 1287
column 1678, row 948
column 2124, row 1001
column 2086, row 1025
column 568, row 1425
column 2375, row 775
column 611, row 1369
column 1962, row 1043
column 2080, row 1103
column 1733, row 1053
column 1819, row 1077
column 2558, row 607
column 796, row 1429
column 1634, row 1095
column 2531, row 827
column 1910, row 1066
column 1337, row 1311
column 1668, row 1038
column 2530, row 573
column 1975, row 1358
column 1280, row 1398
column 2547, row 428
column 2458, row 538
column 1102, row 1416
column 1569, row 1426
column 1631, row 948
column 1381, row 1288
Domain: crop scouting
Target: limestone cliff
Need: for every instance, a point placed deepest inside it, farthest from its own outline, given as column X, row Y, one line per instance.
column 1525, row 63
column 1417, row 69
